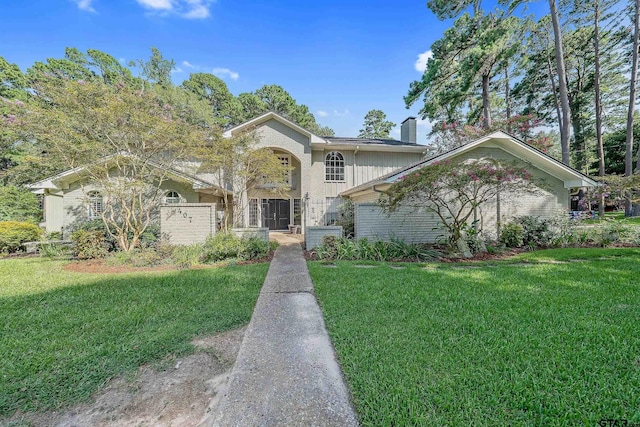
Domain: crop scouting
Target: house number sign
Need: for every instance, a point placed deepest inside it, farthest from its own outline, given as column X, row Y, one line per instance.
column 181, row 214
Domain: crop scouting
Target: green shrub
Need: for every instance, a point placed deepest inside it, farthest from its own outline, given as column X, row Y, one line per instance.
column 13, row 234
column 610, row 232
column 512, row 235
column 54, row 250
column 254, row 248
column 187, row 256
column 333, row 247
column 139, row 257
column 329, row 247
column 221, row 246
column 150, row 236
column 564, row 231
column 473, row 238
column 164, row 248
column 346, row 214
column 224, row 246
column 97, row 225
column 19, row 204
column 53, row 235
column 535, row 231
column 89, row 244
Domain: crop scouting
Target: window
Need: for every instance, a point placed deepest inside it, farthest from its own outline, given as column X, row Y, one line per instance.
column 171, row 197
column 331, row 212
column 284, row 161
column 253, row 213
column 334, row 167
column 95, row 205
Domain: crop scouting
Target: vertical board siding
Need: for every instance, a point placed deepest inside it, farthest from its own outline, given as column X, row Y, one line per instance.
column 360, row 167
column 373, row 164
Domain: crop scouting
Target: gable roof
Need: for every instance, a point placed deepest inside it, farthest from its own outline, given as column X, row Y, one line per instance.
column 506, row 142
column 271, row 115
column 59, row 181
column 324, row 141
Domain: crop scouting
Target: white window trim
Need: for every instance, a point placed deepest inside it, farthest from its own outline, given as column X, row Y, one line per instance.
column 344, row 168
column 166, row 198
column 92, row 198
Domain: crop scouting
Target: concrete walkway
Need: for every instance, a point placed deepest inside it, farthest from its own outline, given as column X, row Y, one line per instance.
column 286, row 373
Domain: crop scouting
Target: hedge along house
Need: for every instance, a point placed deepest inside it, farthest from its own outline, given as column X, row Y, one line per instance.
column 321, row 168
column 562, row 183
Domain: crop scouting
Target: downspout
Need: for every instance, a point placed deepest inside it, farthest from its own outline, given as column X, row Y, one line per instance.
column 353, row 176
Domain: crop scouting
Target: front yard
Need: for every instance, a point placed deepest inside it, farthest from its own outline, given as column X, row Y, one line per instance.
column 545, row 338
column 65, row 334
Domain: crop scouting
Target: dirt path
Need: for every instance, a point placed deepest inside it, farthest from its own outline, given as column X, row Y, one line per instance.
column 182, row 394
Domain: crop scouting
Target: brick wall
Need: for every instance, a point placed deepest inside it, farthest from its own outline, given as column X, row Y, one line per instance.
column 188, row 223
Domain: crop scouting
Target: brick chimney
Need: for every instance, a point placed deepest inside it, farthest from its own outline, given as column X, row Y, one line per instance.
column 408, row 130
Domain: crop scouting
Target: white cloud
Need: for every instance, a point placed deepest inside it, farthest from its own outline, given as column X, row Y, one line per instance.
column 221, row 72
column 340, row 113
column 188, row 9
column 156, row 4
column 85, row 5
column 197, row 9
column 421, row 63
column 321, row 113
column 188, row 64
column 177, row 70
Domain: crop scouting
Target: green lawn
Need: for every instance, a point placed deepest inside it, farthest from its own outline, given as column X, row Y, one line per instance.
column 552, row 339
column 615, row 216
column 63, row 334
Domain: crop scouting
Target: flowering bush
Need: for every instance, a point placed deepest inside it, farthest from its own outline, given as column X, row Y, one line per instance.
column 453, row 190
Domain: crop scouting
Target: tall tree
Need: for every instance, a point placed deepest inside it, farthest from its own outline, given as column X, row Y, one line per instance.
column 12, row 81
column 465, row 61
column 121, row 136
column 212, row 89
column 565, row 129
column 275, row 98
column 376, row 125
column 628, row 159
column 250, row 106
column 156, row 70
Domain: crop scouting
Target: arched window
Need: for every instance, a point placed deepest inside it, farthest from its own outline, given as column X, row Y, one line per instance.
column 96, row 206
column 334, row 167
column 172, row 197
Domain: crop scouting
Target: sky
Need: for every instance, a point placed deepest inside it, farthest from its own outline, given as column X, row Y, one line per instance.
column 340, row 58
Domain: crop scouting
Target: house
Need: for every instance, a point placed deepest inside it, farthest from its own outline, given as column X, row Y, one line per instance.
column 324, row 170
column 321, row 168
column 561, row 184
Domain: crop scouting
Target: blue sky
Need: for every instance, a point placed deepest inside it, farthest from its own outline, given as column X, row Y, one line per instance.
column 340, row 58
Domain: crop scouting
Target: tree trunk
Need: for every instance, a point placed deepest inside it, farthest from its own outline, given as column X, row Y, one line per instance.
column 596, row 50
column 486, row 105
column 555, row 96
column 565, row 129
column 507, row 94
column 628, row 159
